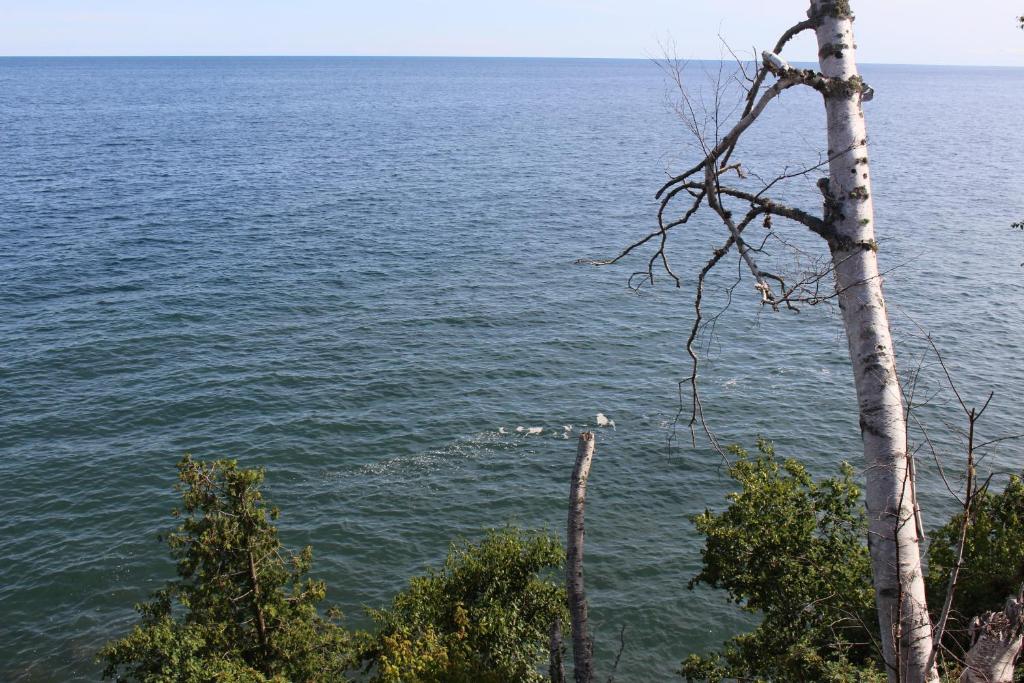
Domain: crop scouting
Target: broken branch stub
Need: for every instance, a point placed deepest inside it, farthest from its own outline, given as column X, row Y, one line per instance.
column 996, row 641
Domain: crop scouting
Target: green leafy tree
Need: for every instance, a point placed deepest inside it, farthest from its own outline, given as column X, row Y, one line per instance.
column 240, row 610
column 791, row 550
column 484, row 617
column 993, row 559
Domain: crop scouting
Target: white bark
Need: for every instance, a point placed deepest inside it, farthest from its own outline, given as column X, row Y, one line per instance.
column 892, row 537
column 582, row 646
column 997, row 642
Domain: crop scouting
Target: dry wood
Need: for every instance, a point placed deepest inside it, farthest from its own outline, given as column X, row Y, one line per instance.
column 582, row 645
column 556, row 669
column 997, row 638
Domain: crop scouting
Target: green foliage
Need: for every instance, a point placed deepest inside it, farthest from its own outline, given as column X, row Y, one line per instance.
column 993, row 560
column 484, row 617
column 239, row 610
column 793, row 551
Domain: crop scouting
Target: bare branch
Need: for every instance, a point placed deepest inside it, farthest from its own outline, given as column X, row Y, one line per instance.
column 618, row 655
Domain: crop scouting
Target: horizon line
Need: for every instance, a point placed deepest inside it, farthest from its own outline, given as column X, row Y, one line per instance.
column 537, row 57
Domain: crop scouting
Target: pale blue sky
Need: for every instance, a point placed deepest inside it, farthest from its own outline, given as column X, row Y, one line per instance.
column 895, row 31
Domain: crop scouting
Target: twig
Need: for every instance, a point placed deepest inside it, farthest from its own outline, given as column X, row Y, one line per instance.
column 618, row 655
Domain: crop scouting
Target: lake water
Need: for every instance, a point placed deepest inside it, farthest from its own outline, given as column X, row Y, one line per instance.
column 355, row 271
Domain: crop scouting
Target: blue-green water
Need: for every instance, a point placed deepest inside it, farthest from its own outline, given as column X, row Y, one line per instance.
column 355, row 271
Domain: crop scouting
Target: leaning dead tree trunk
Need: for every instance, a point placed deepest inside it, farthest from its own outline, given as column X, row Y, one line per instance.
column 847, row 227
column 996, row 642
column 582, row 645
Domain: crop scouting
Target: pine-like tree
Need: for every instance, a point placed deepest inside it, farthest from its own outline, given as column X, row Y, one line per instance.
column 242, row 609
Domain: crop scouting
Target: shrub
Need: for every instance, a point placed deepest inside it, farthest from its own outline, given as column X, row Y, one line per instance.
column 791, row 550
column 993, row 560
column 484, row 617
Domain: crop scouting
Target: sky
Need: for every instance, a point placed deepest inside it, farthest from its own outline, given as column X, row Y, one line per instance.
column 888, row 31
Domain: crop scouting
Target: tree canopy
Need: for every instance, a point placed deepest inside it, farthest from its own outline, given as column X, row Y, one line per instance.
column 485, row 616
column 791, row 550
column 993, row 554
column 242, row 608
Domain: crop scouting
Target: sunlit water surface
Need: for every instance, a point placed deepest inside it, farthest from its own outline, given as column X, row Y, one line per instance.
column 355, row 271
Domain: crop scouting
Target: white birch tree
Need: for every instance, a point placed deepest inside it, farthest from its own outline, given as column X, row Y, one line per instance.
column 893, row 535
column 847, row 225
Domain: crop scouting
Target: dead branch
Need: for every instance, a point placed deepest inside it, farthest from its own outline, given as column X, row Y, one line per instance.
column 556, row 668
column 618, row 655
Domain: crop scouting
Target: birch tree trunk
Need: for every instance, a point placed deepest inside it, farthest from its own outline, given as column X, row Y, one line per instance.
column 892, row 536
column 582, row 646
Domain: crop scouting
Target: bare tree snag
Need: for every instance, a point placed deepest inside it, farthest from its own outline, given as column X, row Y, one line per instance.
column 556, row 670
column 971, row 492
column 996, row 641
column 582, row 645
